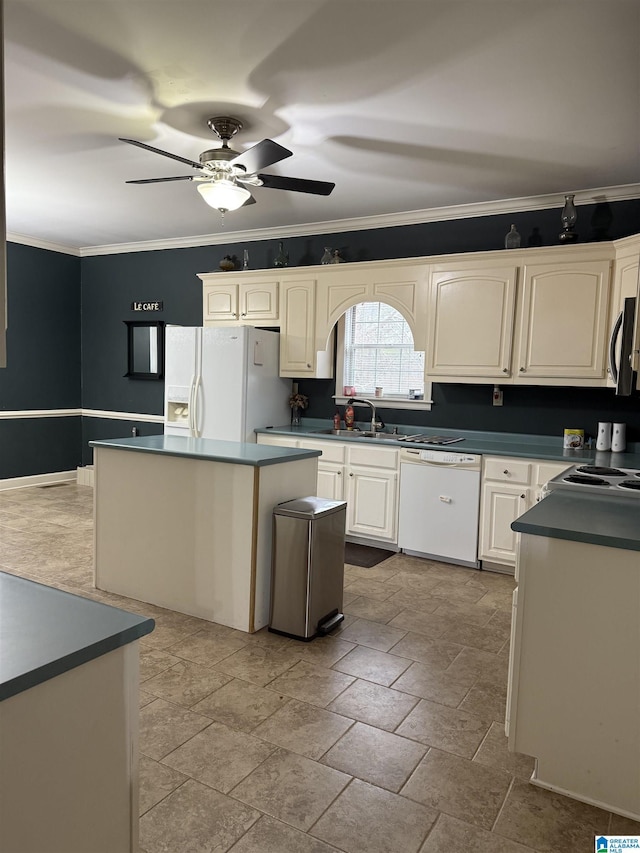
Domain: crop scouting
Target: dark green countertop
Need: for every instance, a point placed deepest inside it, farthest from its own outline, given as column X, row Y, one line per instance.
column 485, row 443
column 206, row 449
column 598, row 520
column 45, row 632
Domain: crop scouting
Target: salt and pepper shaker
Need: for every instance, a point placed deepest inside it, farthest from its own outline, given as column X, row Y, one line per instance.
column 603, row 441
column 619, row 438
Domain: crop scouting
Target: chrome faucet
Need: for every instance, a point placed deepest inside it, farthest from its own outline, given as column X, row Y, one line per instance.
column 376, row 425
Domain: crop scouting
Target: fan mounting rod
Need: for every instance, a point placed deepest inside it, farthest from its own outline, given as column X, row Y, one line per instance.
column 224, row 127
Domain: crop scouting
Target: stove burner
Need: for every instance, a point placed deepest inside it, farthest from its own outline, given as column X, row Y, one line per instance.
column 601, row 470
column 630, row 484
column 584, row 480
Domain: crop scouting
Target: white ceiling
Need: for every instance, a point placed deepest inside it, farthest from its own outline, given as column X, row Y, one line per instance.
column 407, row 105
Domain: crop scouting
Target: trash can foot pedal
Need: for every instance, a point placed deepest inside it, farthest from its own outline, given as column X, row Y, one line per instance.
column 330, row 622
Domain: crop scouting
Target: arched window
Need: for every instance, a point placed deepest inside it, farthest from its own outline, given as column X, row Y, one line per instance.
column 377, row 350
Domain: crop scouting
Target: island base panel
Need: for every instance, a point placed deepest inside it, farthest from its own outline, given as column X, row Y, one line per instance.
column 69, row 760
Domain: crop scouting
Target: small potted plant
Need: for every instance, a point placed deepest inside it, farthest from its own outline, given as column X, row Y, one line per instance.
column 298, row 402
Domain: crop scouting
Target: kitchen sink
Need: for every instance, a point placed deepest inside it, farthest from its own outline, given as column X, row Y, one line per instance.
column 351, row 432
column 379, row 435
column 358, row 433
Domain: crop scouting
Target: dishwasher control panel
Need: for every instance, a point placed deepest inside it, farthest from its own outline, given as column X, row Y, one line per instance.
column 441, row 457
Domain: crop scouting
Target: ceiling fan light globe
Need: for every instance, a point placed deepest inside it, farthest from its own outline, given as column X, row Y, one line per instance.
column 223, row 195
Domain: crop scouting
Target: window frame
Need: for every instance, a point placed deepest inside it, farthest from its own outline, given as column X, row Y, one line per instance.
column 386, row 401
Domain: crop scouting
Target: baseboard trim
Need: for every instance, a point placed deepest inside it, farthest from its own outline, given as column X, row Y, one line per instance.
column 85, row 475
column 38, row 480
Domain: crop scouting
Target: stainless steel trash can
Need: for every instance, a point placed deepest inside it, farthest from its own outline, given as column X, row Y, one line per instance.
column 307, row 568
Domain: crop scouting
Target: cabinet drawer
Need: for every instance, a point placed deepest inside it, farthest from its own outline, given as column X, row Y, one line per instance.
column 376, row 457
column 277, row 440
column 332, row 451
column 506, row 470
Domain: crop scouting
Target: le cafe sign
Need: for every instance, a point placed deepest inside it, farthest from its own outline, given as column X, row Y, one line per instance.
column 147, row 306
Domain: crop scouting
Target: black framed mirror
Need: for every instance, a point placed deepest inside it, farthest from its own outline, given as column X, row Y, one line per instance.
column 145, row 349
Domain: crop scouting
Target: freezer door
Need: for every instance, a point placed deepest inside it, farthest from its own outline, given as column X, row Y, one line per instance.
column 181, row 356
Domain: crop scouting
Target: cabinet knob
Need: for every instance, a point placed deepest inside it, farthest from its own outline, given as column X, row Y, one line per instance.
column 505, row 369
column 351, row 474
column 309, row 366
column 235, row 314
column 339, row 473
column 523, row 496
column 523, row 370
column 506, row 471
column 244, row 313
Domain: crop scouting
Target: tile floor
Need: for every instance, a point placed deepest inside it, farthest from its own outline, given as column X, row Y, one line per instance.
column 384, row 738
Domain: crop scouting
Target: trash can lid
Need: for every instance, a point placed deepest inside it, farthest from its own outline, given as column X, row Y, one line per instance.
column 310, row 507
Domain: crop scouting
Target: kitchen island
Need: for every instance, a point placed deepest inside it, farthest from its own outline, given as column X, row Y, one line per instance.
column 68, row 722
column 574, row 670
column 186, row 523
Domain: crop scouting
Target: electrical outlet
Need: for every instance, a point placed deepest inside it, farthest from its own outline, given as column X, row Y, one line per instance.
column 497, row 395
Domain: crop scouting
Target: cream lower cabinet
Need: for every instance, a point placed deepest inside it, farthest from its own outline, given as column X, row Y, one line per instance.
column 366, row 477
column 372, row 492
column 509, row 487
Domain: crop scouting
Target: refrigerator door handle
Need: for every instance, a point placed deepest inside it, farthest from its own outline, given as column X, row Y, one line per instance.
column 192, row 388
column 197, row 385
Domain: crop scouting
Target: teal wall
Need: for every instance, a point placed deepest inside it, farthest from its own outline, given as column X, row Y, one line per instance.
column 67, row 340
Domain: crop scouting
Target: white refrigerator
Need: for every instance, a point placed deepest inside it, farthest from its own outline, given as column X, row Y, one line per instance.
column 223, row 382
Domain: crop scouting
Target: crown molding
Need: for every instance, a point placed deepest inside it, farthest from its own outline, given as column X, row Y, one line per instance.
column 387, row 220
column 623, row 192
column 24, row 240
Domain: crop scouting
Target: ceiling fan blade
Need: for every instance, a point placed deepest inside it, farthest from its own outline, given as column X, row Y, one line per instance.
column 262, row 155
column 163, row 153
column 298, row 185
column 160, row 180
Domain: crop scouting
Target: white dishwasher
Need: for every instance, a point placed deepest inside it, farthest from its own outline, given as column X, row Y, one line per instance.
column 440, row 505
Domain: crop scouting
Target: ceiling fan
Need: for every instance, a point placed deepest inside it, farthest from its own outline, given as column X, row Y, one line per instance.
column 224, row 174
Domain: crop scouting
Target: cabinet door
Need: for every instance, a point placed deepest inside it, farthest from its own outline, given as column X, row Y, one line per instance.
column 372, row 503
column 330, row 481
column 563, row 330
column 500, row 506
column 471, row 322
column 297, row 336
column 259, row 301
column 220, row 302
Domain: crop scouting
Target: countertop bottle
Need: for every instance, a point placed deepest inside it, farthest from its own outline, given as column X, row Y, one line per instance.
column 337, row 420
column 349, row 417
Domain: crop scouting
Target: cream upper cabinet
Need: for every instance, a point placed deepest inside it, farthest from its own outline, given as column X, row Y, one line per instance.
column 398, row 283
column 626, row 282
column 563, row 329
column 298, row 354
column 471, row 314
column 240, row 303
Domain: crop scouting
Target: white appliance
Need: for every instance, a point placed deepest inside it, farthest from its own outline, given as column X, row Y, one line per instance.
column 440, row 505
column 223, row 382
column 599, row 479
